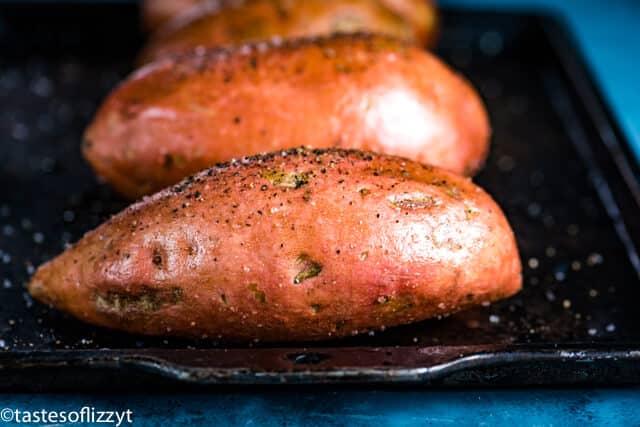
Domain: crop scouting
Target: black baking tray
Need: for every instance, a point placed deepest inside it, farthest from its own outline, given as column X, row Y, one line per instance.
column 559, row 166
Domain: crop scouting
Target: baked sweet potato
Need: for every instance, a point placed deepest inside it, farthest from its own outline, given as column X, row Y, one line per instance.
column 182, row 114
column 292, row 246
column 156, row 13
column 233, row 22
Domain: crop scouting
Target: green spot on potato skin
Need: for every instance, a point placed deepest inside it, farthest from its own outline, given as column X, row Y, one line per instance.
column 412, row 201
column 280, row 178
column 258, row 294
column 394, row 304
column 454, row 192
column 315, row 308
column 364, row 192
column 310, row 268
column 148, row 301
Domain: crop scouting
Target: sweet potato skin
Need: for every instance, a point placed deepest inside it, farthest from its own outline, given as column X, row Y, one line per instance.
column 295, row 246
column 221, row 23
column 182, row 114
column 156, row 13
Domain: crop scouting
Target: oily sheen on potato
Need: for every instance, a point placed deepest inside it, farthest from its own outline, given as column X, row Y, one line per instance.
column 236, row 22
column 185, row 113
column 293, row 246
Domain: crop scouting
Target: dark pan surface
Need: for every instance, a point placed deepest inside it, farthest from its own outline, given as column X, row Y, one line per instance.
column 580, row 285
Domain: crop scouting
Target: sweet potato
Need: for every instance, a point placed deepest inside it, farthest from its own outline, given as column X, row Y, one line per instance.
column 182, row 114
column 256, row 20
column 298, row 245
column 156, row 13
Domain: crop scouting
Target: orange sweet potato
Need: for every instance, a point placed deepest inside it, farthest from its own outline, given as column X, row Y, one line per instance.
column 156, row 13
column 214, row 23
column 182, row 114
column 298, row 245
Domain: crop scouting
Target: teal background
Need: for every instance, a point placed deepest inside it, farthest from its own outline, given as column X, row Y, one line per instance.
column 608, row 33
column 353, row 408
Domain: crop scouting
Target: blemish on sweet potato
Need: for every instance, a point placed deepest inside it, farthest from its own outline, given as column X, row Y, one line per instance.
column 157, row 258
column 147, row 301
column 395, row 304
column 308, row 268
column 364, row 192
column 382, row 299
column 454, row 192
column 410, row 201
column 280, row 178
column 258, row 294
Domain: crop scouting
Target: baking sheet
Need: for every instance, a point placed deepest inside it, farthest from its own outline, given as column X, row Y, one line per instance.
column 558, row 167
